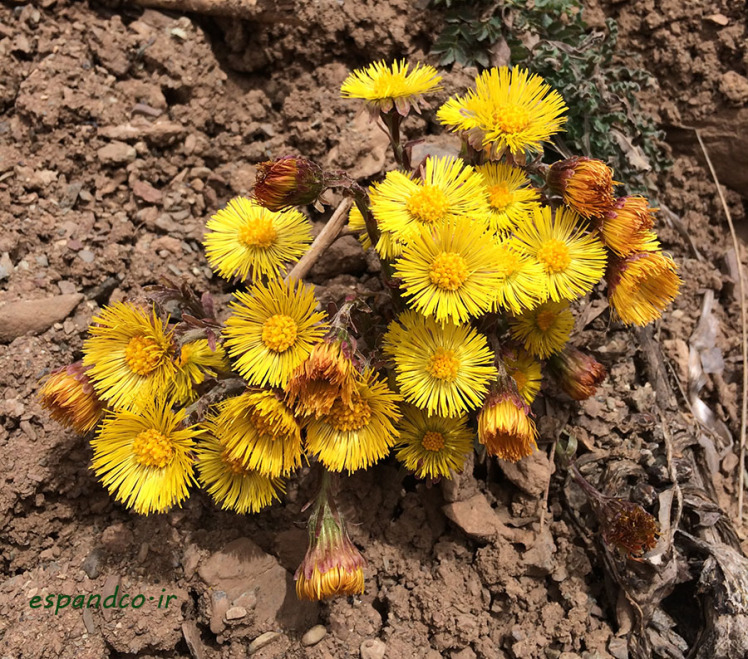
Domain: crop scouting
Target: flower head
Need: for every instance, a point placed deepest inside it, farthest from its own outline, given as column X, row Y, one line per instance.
column 272, row 330
column 288, row 181
column 628, row 527
column 577, row 374
column 524, row 369
column 384, row 87
column 586, row 184
column 641, row 286
column 573, row 261
column 355, row 436
column 258, row 432
column 544, row 329
column 450, row 272
column 247, row 240
column 327, row 375
column 449, row 189
column 504, row 424
column 230, row 483
column 129, row 356
column 195, row 361
column 145, row 458
column 432, row 446
column 69, row 396
column 625, row 228
column 441, row 369
column 522, row 281
column 511, row 199
column 332, row 565
column 509, row 110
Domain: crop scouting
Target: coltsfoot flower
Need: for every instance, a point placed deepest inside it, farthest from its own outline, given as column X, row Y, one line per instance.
column 196, row 361
column 248, row 240
column 230, row 483
column 625, row 228
column 545, row 329
column 577, row 374
column 510, row 110
column 524, row 369
column 445, row 369
column 641, row 286
column 504, row 424
column 272, row 330
column 432, row 446
column 585, row 184
column 355, row 436
column 522, row 279
column 390, row 87
column 511, row 198
column 288, row 181
column 574, row 261
column 69, row 396
column 145, row 459
column 129, row 356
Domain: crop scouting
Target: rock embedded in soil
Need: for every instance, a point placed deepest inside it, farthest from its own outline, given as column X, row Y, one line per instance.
column 262, row 640
column 530, row 474
column 314, row 635
column 372, row 648
column 344, row 257
column 476, row 518
column 116, row 153
column 34, row 316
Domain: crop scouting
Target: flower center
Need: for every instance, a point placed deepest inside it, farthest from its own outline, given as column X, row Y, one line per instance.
column 143, row 355
column 554, row 254
column 428, row 205
column 511, row 119
column 519, row 378
column 443, row 365
column 545, row 320
column 279, row 332
column 153, row 449
column 233, row 465
column 345, row 418
column 263, row 425
column 499, row 196
column 258, row 233
column 508, row 264
column 433, row 441
column 448, row 271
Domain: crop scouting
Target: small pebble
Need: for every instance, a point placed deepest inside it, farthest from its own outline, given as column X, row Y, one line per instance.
column 262, row 640
column 236, row 613
column 373, row 648
column 314, row 635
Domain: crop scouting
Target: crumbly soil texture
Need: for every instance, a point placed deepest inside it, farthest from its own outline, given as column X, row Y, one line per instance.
column 122, row 130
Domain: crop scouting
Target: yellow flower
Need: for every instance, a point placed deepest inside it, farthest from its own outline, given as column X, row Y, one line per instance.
column 70, row 398
column 327, row 375
column 145, row 459
column 525, row 371
column 505, row 427
column 247, row 240
column 545, row 329
column 584, row 183
column 129, row 355
column 196, row 360
column 510, row 198
column 356, row 224
column 232, row 485
column 451, row 272
column 432, row 446
column 625, row 229
column 573, row 261
column 449, row 189
column 272, row 330
column 642, row 286
column 511, row 110
column 355, row 436
column 387, row 246
column 385, row 87
column 259, row 432
column 522, row 281
column 441, row 369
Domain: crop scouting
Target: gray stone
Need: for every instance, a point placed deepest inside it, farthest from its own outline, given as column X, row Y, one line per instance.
column 92, row 564
column 6, row 266
column 87, row 255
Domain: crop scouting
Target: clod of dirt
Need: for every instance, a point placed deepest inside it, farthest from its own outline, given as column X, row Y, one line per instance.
column 35, row 316
column 476, row 518
column 530, row 475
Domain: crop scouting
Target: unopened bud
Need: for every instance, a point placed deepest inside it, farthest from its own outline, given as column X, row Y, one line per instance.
column 288, row 181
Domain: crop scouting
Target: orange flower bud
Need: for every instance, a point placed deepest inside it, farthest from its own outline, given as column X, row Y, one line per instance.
column 70, row 398
column 504, row 424
column 288, row 181
column 577, row 374
column 584, row 183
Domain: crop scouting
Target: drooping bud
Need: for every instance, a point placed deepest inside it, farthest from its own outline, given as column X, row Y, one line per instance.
column 641, row 286
column 70, row 398
column 332, row 565
column 585, row 184
column 504, row 424
column 577, row 373
column 625, row 228
column 288, row 181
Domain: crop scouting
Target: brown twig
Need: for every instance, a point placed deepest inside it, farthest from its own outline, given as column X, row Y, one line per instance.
column 744, row 323
column 325, row 238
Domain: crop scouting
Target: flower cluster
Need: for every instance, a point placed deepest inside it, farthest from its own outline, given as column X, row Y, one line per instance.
column 488, row 254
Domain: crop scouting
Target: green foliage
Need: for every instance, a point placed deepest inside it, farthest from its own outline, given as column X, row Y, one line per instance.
column 550, row 38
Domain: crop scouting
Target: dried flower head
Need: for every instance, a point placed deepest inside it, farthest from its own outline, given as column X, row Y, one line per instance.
column 69, row 396
column 577, row 373
column 586, row 184
column 627, row 526
column 288, row 181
